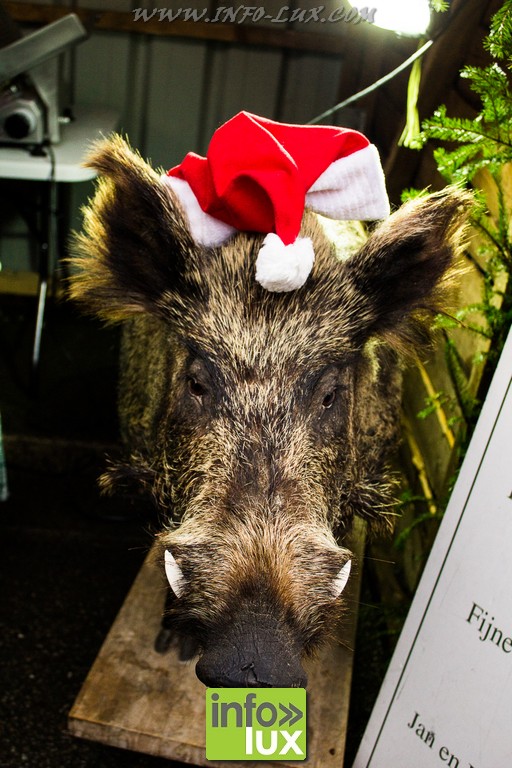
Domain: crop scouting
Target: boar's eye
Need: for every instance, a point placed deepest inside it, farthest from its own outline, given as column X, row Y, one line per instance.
column 195, row 388
column 329, row 386
column 329, row 391
column 329, row 399
column 198, row 381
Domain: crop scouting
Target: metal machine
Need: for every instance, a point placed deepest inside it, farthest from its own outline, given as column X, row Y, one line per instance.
column 30, row 112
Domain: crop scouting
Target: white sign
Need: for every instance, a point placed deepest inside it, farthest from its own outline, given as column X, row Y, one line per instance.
column 447, row 696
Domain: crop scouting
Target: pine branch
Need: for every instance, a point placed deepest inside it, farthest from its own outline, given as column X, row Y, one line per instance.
column 499, row 40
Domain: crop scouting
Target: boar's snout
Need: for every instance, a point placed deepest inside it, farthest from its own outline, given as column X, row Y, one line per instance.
column 257, row 603
column 255, row 654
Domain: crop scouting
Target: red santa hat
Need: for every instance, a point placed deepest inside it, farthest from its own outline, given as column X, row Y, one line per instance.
column 259, row 176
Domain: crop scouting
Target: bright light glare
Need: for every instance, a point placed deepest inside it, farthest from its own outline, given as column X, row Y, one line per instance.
column 407, row 17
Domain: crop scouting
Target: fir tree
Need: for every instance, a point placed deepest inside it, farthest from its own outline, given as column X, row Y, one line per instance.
column 484, row 143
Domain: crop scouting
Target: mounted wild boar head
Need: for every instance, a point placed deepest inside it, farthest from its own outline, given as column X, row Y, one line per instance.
column 260, row 421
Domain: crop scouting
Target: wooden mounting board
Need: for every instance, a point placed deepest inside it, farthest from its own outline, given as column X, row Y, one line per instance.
column 138, row 699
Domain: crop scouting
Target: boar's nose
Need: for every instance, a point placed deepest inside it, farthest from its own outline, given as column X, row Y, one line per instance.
column 250, row 670
column 254, row 657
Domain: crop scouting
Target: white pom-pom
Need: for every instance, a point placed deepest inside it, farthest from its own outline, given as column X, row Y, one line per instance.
column 174, row 574
column 281, row 267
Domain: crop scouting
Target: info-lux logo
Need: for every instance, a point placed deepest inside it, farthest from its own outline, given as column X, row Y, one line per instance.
column 256, row 724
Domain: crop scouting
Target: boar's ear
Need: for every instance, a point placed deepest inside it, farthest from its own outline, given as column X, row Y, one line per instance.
column 398, row 279
column 135, row 239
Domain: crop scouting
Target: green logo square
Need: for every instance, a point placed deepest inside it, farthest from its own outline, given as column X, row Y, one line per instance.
column 256, row 724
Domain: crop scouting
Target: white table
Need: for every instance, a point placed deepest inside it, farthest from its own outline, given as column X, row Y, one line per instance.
column 56, row 164
column 16, row 162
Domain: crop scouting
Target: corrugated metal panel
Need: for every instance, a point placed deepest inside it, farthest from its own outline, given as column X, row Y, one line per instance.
column 172, row 93
column 171, row 117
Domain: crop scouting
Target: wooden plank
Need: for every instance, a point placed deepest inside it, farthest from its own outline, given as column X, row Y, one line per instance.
column 223, row 31
column 138, row 699
column 437, row 453
column 20, row 283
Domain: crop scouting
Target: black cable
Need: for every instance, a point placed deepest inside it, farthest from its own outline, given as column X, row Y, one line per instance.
column 377, row 84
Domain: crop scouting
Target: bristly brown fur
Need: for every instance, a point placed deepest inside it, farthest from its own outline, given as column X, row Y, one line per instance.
column 402, row 276
column 261, row 422
column 135, row 237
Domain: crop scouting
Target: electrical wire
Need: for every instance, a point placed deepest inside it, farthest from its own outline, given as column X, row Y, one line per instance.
column 377, row 84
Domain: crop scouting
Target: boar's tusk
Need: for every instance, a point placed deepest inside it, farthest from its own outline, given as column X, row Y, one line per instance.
column 341, row 579
column 174, row 574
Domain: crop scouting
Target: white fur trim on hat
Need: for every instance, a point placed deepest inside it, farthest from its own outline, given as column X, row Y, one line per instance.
column 205, row 229
column 352, row 187
column 281, row 267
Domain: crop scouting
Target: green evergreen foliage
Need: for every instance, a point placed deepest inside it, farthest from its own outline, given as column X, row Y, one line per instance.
column 439, row 5
column 485, row 141
column 474, row 145
column 469, row 147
